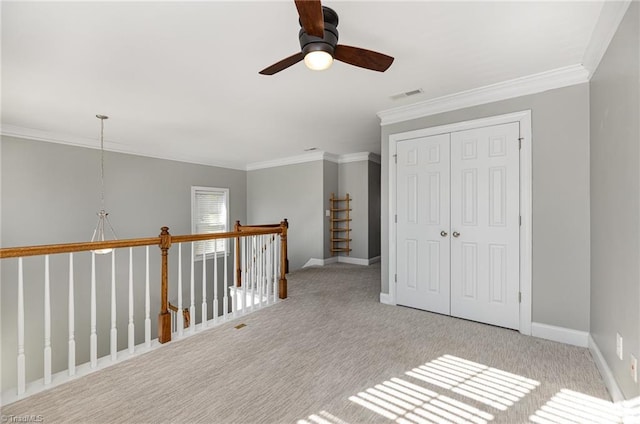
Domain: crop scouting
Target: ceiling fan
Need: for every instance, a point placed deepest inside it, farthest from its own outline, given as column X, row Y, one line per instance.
column 319, row 43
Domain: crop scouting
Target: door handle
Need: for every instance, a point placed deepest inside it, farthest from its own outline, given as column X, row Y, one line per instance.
column 456, row 234
column 443, row 233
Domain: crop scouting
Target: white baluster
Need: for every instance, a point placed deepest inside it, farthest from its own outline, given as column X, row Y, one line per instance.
column 131, row 328
column 179, row 317
column 247, row 286
column 147, row 302
column 71, row 356
column 235, row 275
column 215, row 280
column 245, row 275
column 93, row 337
column 47, row 323
column 114, row 329
column 21, row 358
column 225, row 304
column 253, row 271
column 258, row 270
column 268, row 268
column 204, row 289
column 263, row 265
column 192, row 308
column 274, row 256
column 265, row 268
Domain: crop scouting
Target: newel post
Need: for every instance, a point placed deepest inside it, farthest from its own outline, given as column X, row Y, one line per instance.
column 164, row 318
column 284, row 225
column 236, row 228
column 286, row 254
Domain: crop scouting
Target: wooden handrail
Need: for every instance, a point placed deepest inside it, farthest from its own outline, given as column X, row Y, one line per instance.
column 231, row 234
column 249, row 227
column 52, row 249
column 164, row 241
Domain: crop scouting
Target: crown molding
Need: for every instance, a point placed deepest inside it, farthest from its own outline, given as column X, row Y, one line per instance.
column 331, row 157
column 292, row 160
column 312, row 157
column 50, row 137
column 610, row 18
column 358, row 157
column 110, row 146
column 536, row 83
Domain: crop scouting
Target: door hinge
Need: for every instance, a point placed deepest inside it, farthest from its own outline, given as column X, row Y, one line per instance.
column 395, row 278
column 519, row 297
column 396, row 219
column 521, row 220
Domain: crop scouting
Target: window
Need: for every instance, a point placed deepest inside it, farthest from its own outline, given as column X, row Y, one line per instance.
column 209, row 214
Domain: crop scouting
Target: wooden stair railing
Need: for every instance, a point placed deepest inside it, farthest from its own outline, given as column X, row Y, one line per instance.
column 164, row 241
column 186, row 315
column 284, row 225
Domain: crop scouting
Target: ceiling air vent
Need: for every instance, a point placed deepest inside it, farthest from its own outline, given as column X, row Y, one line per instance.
column 406, row 94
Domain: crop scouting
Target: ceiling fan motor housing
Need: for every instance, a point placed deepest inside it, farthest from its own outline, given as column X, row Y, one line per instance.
column 309, row 43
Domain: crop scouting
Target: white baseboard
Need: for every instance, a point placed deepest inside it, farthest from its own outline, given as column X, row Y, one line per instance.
column 353, row 261
column 560, row 334
column 320, row 262
column 605, row 371
column 358, row 261
column 386, row 299
column 341, row 259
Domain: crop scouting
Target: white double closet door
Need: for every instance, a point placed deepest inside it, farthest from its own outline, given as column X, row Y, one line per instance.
column 458, row 219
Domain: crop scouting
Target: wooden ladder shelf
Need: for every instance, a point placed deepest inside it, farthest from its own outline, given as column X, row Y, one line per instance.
column 340, row 219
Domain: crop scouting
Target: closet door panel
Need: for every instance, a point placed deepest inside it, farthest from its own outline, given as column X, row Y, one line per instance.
column 422, row 230
column 485, row 225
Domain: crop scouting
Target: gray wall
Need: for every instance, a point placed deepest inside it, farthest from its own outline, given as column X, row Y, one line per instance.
column 354, row 179
column 294, row 192
column 301, row 193
column 615, row 200
column 50, row 194
column 374, row 209
column 361, row 180
column 560, row 127
column 329, row 185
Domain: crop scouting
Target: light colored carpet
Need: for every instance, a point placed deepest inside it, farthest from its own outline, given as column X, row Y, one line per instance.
column 331, row 353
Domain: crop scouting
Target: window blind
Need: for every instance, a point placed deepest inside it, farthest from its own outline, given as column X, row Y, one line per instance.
column 210, row 216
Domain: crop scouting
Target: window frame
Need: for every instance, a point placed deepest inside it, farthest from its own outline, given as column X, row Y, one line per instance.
column 194, row 218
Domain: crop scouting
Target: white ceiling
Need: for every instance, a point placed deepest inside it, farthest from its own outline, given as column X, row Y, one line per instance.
column 180, row 79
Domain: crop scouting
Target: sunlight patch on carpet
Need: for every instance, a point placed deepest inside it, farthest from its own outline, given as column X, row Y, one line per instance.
column 405, row 402
column 568, row 406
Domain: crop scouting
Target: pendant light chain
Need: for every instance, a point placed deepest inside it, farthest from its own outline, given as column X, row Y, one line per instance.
column 102, row 118
column 103, row 217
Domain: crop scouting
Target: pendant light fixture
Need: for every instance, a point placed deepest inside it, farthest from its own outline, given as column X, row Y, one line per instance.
column 103, row 217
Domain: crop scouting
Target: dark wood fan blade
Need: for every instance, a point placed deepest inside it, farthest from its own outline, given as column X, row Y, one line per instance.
column 283, row 64
column 311, row 17
column 363, row 58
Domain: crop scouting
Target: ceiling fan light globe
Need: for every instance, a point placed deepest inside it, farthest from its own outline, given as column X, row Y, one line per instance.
column 318, row 60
